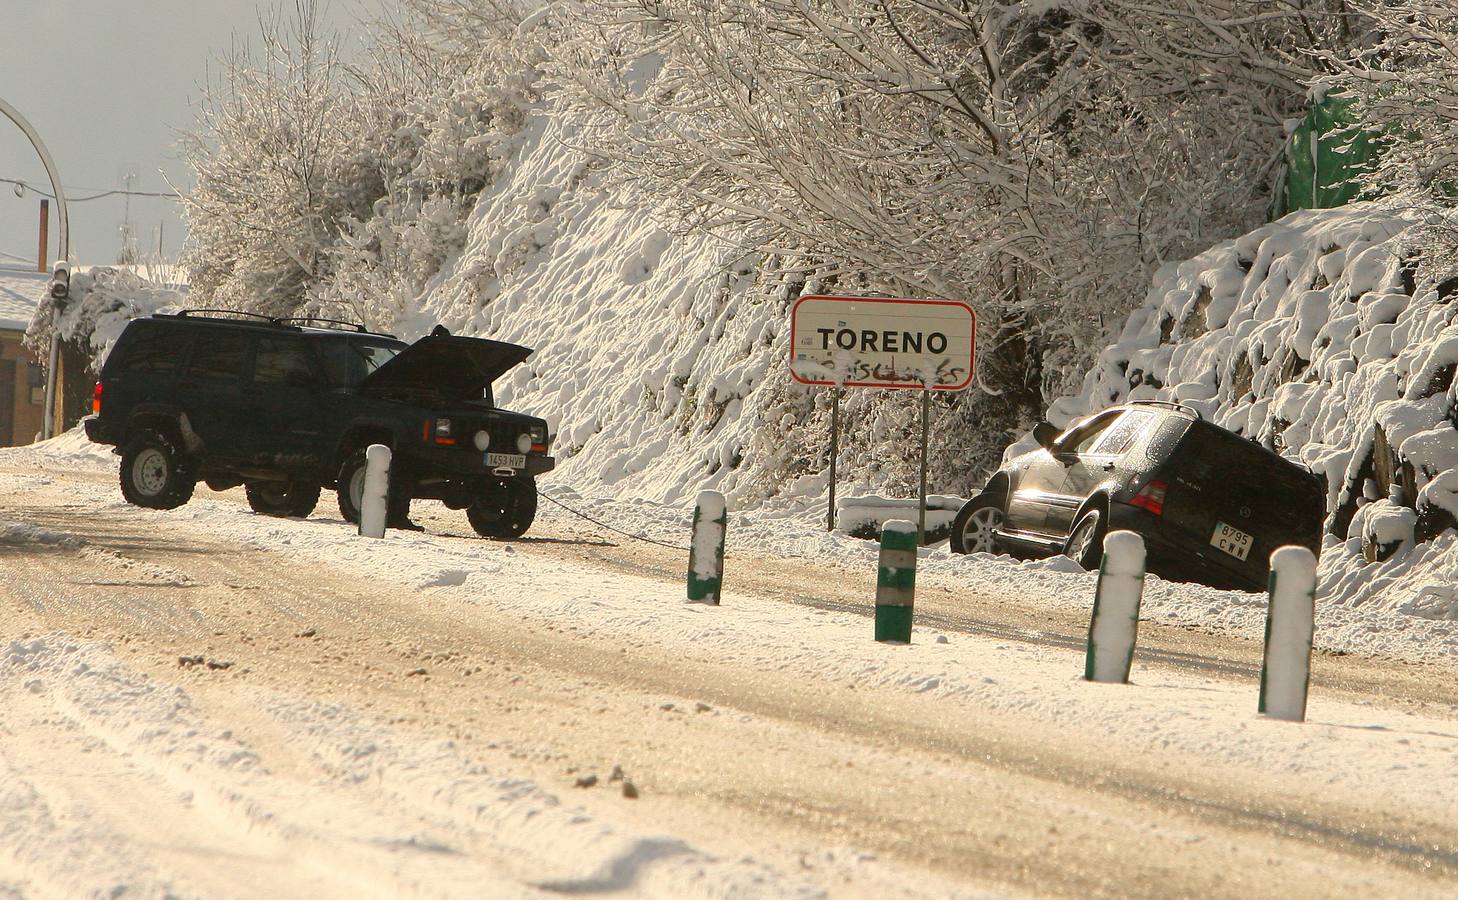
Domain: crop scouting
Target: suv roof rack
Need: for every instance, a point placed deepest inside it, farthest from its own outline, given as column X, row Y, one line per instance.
column 249, row 318
column 326, row 323
column 223, row 313
column 1173, row 404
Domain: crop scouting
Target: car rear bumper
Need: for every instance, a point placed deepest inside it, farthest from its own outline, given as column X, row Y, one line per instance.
column 98, row 431
column 1185, row 557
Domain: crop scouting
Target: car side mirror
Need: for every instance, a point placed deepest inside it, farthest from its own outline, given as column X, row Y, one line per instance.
column 1046, row 435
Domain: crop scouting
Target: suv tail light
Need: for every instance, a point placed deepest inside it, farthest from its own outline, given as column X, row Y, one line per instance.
column 96, row 399
column 1151, row 497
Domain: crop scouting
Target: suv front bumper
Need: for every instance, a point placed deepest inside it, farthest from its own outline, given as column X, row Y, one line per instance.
column 457, row 463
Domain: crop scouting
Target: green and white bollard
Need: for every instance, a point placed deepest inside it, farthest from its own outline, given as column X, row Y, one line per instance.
column 1290, row 625
column 706, row 549
column 896, row 582
column 1115, row 623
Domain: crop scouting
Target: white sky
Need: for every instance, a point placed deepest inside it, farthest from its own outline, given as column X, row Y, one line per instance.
column 106, row 83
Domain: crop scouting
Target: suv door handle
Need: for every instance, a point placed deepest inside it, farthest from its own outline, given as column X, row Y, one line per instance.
column 1108, row 467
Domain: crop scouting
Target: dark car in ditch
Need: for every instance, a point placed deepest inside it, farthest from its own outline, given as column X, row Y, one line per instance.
column 287, row 407
column 1210, row 505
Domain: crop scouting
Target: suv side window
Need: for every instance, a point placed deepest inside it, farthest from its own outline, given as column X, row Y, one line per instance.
column 154, row 351
column 1129, row 428
column 283, row 362
column 219, row 354
column 1082, row 436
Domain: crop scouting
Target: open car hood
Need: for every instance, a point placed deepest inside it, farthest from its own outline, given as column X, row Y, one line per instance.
column 460, row 368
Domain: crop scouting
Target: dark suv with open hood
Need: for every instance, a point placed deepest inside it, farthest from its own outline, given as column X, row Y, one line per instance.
column 286, row 407
column 1210, row 505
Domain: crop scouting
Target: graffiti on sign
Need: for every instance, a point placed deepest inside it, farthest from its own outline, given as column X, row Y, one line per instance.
column 880, row 342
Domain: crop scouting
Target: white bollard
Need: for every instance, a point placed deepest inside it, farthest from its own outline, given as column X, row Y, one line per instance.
column 374, row 505
column 1290, row 625
column 1115, row 623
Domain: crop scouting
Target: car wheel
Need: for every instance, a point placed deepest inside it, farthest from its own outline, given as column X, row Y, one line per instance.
column 154, row 474
column 507, row 511
column 350, row 486
column 282, row 498
column 1085, row 544
column 974, row 530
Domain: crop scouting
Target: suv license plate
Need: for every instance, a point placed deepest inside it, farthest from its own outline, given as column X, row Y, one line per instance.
column 1231, row 540
column 506, row 460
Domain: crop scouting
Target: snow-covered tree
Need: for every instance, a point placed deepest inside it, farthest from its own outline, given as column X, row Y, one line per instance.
column 1037, row 160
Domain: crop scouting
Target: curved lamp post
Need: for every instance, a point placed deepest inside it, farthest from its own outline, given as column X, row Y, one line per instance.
column 48, row 427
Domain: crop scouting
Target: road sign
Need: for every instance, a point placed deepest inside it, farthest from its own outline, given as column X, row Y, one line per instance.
column 881, row 342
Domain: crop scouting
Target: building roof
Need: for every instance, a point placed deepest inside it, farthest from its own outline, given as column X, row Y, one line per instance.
column 21, row 290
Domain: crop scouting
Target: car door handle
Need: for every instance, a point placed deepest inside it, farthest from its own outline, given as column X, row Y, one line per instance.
column 1108, row 467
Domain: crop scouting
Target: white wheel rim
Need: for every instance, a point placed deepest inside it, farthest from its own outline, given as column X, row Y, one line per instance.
column 356, row 489
column 1083, row 537
column 977, row 534
column 149, row 471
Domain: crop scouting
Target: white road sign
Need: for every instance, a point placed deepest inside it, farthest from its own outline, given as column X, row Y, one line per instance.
column 880, row 342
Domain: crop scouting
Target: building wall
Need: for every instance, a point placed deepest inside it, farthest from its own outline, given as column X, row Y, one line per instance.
column 27, row 396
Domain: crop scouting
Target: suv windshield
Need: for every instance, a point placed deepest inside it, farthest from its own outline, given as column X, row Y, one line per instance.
column 348, row 360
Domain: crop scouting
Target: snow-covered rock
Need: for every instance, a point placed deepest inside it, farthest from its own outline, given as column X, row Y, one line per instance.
column 1323, row 337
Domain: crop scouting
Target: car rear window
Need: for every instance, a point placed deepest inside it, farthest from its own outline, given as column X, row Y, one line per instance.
column 151, row 350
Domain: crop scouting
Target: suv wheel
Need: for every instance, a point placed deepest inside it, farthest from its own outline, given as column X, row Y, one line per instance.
column 506, row 511
column 975, row 528
column 282, row 498
column 154, row 474
column 1085, row 544
column 351, row 492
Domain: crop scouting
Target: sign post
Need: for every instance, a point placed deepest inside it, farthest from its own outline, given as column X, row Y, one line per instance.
column 834, row 453
column 880, row 342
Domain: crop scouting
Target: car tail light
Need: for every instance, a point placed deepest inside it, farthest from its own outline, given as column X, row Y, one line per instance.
column 443, row 432
column 96, row 399
column 1151, row 497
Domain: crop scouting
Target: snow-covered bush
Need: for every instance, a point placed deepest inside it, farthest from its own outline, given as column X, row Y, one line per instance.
column 102, row 301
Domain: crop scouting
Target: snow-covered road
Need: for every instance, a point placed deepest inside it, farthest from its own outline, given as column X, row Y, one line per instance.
column 207, row 702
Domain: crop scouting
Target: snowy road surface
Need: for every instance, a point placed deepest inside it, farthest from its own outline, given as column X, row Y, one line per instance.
column 205, row 702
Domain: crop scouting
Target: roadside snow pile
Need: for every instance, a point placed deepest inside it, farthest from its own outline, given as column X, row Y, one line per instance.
column 1324, row 337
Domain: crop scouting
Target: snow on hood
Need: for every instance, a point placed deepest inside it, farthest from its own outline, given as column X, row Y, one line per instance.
column 462, row 367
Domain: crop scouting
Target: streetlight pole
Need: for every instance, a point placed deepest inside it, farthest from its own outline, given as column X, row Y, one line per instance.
column 48, row 427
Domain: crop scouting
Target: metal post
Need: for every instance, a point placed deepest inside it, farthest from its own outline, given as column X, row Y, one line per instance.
column 14, row 115
column 45, row 235
column 834, row 452
column 925, row 421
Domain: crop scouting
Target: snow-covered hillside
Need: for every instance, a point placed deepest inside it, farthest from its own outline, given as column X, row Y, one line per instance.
column 1322, row 336
column 658, row 366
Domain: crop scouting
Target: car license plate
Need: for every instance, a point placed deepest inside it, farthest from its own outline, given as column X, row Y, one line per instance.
column 506, row 460
column 1231, row 540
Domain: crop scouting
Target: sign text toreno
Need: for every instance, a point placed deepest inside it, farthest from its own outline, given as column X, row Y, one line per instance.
column 879, row 342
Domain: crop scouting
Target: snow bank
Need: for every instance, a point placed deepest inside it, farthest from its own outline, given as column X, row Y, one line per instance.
column 1322, row 337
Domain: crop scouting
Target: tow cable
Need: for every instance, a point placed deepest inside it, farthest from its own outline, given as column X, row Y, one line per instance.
column 600, row 524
